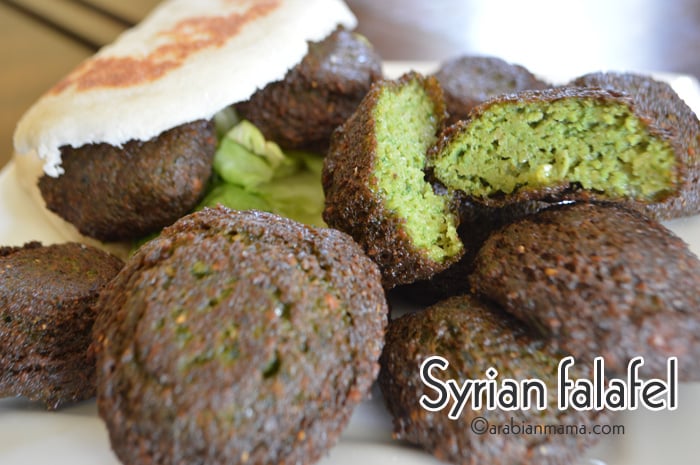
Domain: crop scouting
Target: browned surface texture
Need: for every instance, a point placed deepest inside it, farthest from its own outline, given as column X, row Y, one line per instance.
column 46, row 318
column 472, row 337
column 664, row 117
column 237, row 337
column 124, row 193
column 317, row 95
column 187, row 37
column 469, row 80
column 672, row 117
column 476, row 225
column 601, row 281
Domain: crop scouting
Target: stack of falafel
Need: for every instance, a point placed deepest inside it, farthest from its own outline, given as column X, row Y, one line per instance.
column 538, row 212
column 232, row 337
column 248, row 338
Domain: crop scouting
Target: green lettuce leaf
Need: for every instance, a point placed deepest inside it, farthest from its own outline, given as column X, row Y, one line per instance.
column 235, row 197
column 253, row 173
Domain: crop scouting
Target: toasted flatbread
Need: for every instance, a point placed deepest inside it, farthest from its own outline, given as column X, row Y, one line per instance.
column 186, row 61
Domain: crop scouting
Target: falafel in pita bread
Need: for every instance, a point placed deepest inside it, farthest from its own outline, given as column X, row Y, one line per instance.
column 180, row 66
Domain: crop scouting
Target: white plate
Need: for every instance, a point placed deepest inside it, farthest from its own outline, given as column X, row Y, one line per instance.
column 76, row 436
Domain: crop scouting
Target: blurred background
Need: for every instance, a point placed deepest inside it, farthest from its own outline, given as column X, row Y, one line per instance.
column 547, row 36
column 41, row 40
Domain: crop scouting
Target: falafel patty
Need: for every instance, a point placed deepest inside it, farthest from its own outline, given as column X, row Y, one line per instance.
column 470, row 80
column 599, row 280
column 237, row 337
column 672, row 116
column 318, row 94
column 473, row 337
column 125, row 193
column 563, row 143
column 46, row 318
column 375, row 185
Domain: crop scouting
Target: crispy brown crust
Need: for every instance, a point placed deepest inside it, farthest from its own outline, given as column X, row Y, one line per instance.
column 353, row 207
column 473, row 337
column 564, row 190
column 237, row 337
column 599, row 280
column 671, row 115
column 469, row 80
column 46, row 318
column 318, row 94
column 125, row 193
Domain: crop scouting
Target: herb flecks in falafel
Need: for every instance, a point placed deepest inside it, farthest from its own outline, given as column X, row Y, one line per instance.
column 469, row 80
column 671, row 115
column 375, row 185
column 237, row 334
column 538, row 143
column 398, row 168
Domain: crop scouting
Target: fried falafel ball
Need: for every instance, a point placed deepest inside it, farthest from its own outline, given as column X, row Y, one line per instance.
column 318, row 94
column 599, row 280
column 470, row 80
column 46, row 319
column 375, row 184
column 474, row 338
column 125, row 193
column 565, row 143
column 672, row 116
column 237, row 337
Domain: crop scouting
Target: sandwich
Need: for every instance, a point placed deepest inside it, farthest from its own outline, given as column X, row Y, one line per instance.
column 123, row 145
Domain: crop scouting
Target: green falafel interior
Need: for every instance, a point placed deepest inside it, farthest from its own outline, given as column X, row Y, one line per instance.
column 253, row 173
column 599, row 144
column 406, row 127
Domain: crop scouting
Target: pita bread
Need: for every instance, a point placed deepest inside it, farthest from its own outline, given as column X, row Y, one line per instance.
column 186, row 61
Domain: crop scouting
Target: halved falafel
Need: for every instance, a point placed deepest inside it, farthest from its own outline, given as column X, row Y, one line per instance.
column 375, row 186
column 477, row 223
column 237, row 337
column 672, row 116
column 557, row 144
column 46, row 318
